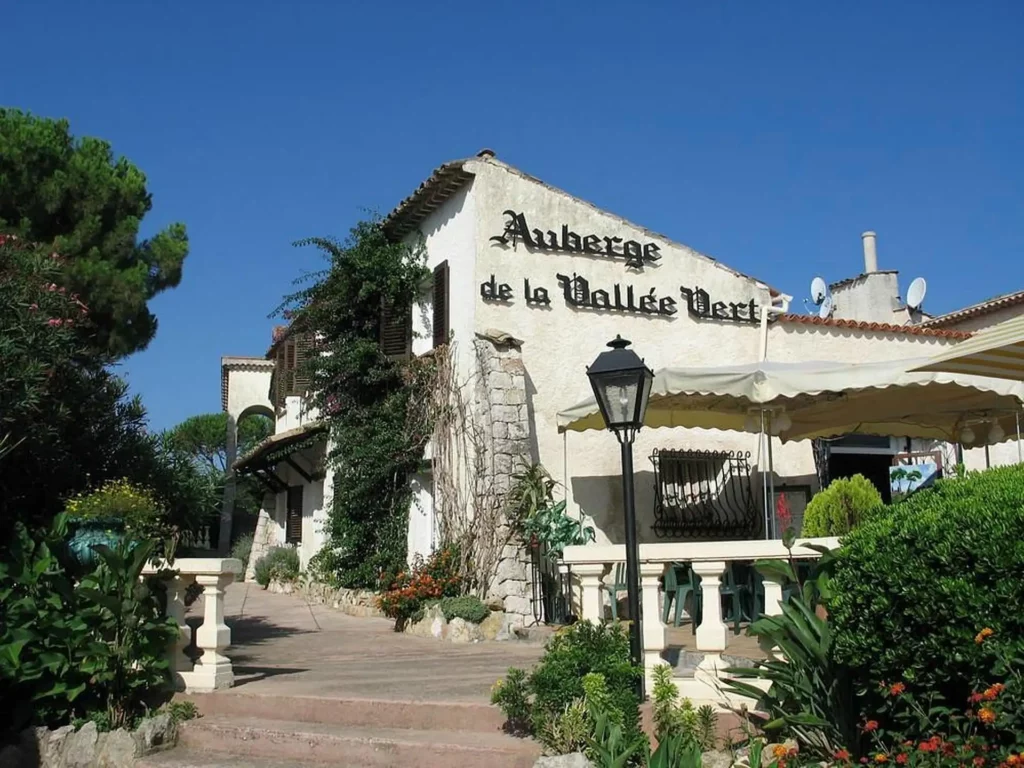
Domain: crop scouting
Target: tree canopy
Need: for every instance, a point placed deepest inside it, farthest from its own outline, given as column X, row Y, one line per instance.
column 73, row 195
column 204, row 437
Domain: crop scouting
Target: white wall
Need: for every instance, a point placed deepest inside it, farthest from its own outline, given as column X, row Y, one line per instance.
column 422, row 531
column 560, row 341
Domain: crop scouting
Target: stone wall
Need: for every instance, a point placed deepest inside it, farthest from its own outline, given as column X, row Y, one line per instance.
column 262, row 540
column 354, row 602
column 87, row 747
column 500, row 402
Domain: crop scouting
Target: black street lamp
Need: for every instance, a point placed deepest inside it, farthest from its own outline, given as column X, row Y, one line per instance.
column 622, row 386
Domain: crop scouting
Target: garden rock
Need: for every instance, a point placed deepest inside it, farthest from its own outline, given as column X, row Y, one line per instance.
column 493, row 625
column 155, row 733
column 115, row 749
column 495, row 603
column 80, row 747
column 716, row 759
column 461, row 631
column 575, row 760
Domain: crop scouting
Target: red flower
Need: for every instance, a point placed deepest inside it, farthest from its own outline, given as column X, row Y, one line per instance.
column 932, row 745
column 974, row 698
column 979, row 762
column 842, row 754
column 897, row 688
column 901, row 758
column 870, row 725
column 782, row 512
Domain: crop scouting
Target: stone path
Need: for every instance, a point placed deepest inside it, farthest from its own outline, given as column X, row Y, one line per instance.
column 282, row 645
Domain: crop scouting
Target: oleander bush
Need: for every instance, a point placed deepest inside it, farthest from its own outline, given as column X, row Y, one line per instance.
column 839, row 508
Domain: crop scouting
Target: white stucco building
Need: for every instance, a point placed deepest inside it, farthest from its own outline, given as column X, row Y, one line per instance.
column 529, row 284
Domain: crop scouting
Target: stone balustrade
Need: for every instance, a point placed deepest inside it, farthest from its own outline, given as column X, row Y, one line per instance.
column 213, row 637
column 590, row 563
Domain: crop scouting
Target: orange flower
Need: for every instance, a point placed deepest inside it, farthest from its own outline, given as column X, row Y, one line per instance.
column 881, row 758
column 870, row 725
column 842, row 754
column 897, row 688
column 986, row 715
column 928, row 746
column 986, row 633
column 993, row 691
column 779, row 751
column 1015, row 760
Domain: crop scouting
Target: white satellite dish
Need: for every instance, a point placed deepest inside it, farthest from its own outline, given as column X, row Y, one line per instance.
column 915, row 294
column 825, row 311
column 818, row 290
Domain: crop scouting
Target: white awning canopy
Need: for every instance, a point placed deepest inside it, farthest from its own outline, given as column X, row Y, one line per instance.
column 825, row 399
column 997, row 352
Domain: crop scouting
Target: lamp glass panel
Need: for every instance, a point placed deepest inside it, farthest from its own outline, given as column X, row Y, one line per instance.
column 617, row 393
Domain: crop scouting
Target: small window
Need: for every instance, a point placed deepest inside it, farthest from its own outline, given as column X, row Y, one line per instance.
column 293, row 521
column 441, row 324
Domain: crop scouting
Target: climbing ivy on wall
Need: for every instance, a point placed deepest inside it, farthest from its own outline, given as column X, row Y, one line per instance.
column 371, row 403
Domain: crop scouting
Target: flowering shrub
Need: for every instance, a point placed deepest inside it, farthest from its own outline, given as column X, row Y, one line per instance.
column 118, row 499
column 430, row 579
column 983, row 732
column 911, row 587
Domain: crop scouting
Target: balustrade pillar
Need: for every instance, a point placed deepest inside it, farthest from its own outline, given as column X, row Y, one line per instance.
column 591, row 597
column 653, row 628
column 712, row 634
column 772, row 597
column 178, row 654
column 213, row 670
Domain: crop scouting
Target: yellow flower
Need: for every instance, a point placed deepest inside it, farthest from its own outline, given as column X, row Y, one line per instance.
column 986, row 715
column 779, row 751
column 986, row 633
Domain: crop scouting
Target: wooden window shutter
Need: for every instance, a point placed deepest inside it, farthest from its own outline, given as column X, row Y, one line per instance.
column 293, row 521
column 441, row 323
column 396, row 332
column 280, row 376
column 303, row 348
column 289, row 366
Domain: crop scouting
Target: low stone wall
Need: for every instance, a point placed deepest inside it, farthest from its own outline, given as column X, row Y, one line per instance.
column 87, row 747
column 354, row 602
column 433, row 624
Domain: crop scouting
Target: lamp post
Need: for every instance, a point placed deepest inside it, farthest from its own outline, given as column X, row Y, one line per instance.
column 622, row 386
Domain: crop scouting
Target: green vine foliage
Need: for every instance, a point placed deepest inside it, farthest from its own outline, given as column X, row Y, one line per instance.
column 369, row 402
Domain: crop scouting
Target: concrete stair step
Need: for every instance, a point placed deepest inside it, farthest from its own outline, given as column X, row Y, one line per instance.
column 188, row 758
column 477, row 717
column 376, row 747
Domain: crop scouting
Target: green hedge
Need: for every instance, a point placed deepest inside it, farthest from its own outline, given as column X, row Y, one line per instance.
column 915, row 584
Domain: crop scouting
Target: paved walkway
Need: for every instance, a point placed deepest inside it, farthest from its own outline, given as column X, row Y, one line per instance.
column 284, row 646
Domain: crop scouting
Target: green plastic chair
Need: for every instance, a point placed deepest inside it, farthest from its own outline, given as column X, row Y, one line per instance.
column 679, row 583
column 618, row 585
column 738, row 594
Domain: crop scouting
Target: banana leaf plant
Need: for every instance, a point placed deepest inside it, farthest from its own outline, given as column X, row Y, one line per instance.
column 553, row 529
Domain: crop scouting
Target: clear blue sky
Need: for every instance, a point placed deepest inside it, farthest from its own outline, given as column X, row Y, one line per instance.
column 768, row 135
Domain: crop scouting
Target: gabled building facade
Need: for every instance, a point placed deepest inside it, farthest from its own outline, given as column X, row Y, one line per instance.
column 528, row 285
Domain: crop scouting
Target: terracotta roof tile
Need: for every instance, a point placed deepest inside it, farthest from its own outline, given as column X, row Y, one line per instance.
column 976, row 310
column 428, row 197
column 861, row 325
